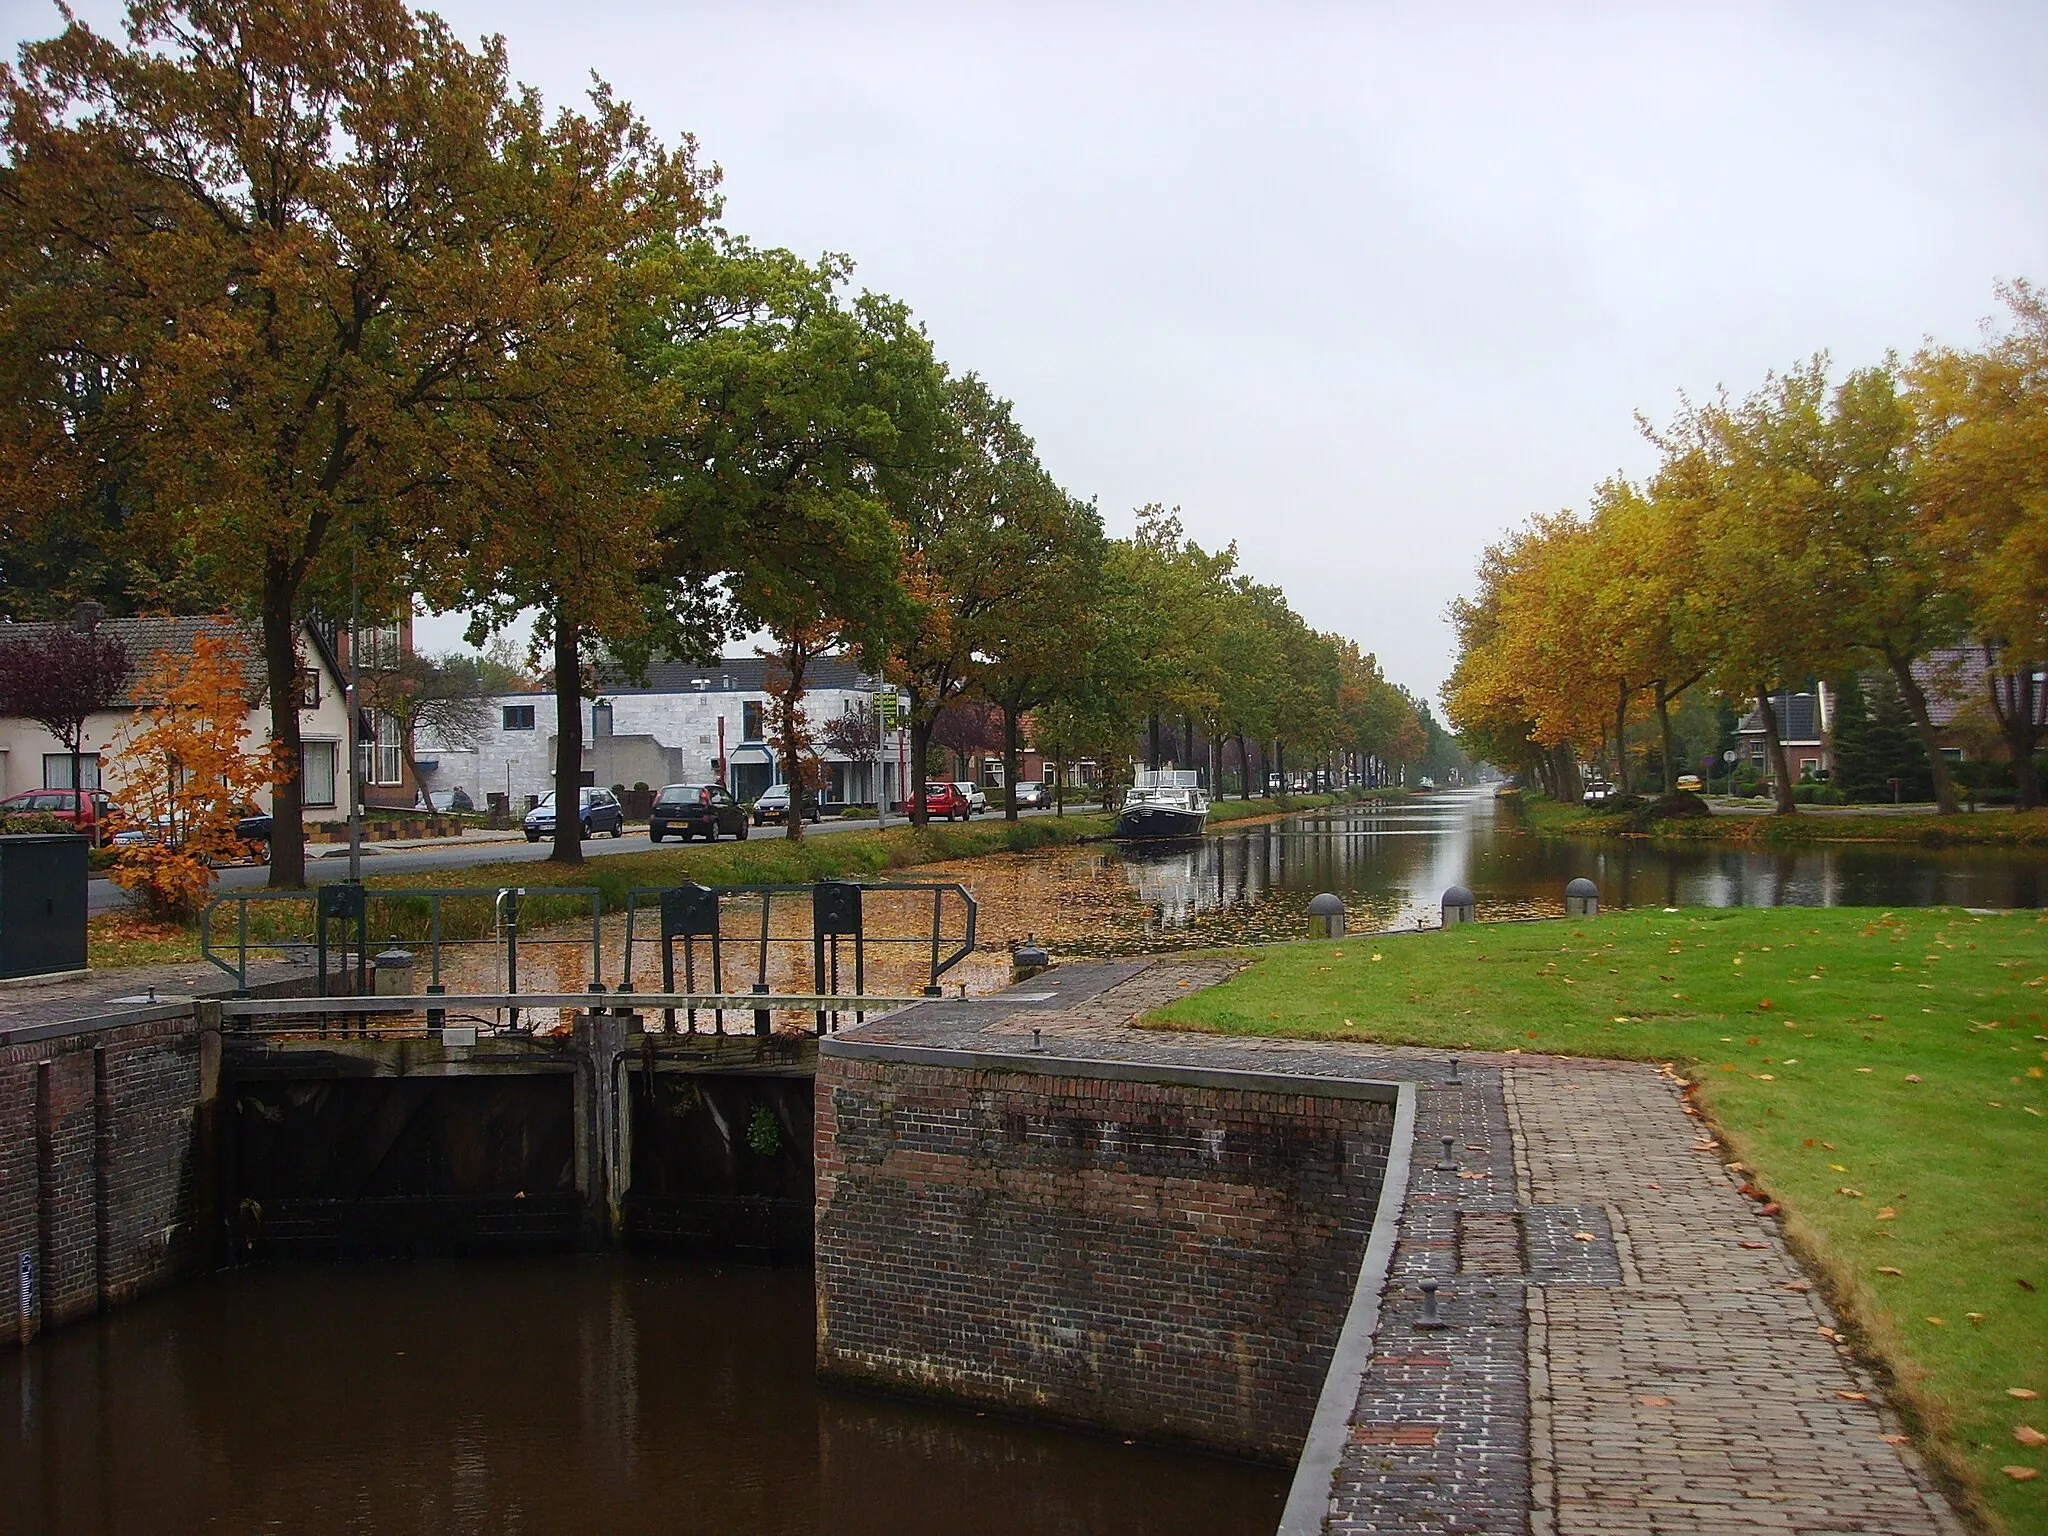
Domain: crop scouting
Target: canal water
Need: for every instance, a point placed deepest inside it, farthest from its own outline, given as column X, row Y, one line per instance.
column 1392, row 862
column 539, row 1396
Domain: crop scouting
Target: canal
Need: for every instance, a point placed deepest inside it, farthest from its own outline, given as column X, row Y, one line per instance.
column 1391, row 864
column 536, row 1396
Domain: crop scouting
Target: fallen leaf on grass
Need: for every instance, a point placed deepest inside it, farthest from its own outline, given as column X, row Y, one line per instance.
column 1912, row 1077
column 2024, row 1394
column 2025, row 1285
column 1887, row 1269
column 2026, row 1434
column 1886, row 1213
column 1853, row 1194
column 1939, row 1322
column 1798, row 1285
column 1770, row 1208
column 1826, row 1333
column 1838, row 1168
column 1976, row 1319
column 1893, row 1439
column 2020, row 1474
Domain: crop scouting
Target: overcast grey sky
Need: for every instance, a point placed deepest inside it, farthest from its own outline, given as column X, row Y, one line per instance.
column 1357, row 286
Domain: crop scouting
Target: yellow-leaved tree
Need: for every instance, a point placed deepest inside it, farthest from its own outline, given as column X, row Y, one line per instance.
column 182, row 772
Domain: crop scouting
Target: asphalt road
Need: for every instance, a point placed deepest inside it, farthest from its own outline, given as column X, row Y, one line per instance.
column 332, row 863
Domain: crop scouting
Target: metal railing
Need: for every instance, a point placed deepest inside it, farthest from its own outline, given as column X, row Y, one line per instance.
column 330, row 927
column 691, row 913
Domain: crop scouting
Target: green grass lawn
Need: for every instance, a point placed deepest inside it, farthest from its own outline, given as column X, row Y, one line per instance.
column 1763, row 828
column 1882, row 1073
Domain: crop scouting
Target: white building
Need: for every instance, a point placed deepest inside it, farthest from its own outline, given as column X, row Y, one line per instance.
column 32, row 758
column 675, row 728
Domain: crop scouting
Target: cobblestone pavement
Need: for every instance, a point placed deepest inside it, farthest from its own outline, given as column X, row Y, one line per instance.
column 1630, row 1351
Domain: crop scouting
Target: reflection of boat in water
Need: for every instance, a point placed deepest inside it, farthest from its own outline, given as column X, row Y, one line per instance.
column 1168, row 803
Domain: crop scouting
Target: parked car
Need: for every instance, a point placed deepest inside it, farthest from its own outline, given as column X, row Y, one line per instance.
column 599, row 810
column 943, row 799
column 1030, row 794
column 695, row 810
column 977, row 797
column 1598, row 792
column 774, row 806
column 254, row 831
column 1690, row 782
column 87, row 811
column 446, row 800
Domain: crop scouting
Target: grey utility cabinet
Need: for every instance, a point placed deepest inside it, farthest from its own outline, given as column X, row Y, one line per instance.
column 42, row 904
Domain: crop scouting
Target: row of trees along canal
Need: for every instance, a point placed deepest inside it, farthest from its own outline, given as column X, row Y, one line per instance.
column 1813, row 529
column 307, row 301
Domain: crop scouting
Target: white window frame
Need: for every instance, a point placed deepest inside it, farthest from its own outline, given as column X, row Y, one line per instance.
column 57, row 770
column 330, row 752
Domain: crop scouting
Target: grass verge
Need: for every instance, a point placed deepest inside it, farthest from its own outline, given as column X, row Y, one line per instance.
column 1881, row 1074
column 1985, row 829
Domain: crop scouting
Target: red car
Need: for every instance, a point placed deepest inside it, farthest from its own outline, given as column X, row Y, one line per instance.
column 88, row 811
column 941, row 799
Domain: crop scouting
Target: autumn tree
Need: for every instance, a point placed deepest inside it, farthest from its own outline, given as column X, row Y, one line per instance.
column 1981, row 483
column 1031, row 653
column 259, row 259
column 980, row 519
column 181, row 771
column 60, row 675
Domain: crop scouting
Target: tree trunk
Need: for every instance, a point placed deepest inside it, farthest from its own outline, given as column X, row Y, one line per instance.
column 281, row 676
column 793, row 661
column 1011, row 731
column 568, row 742
column 920, row 754
column 1187, row 736
column 1059, row 785
column 1923, row 722
column 1280, row 763
column 1664, row 736
column 2015, row 701
column 1152, row 741
column 1244, row 764
column 1781, row 767
column 1622, row 691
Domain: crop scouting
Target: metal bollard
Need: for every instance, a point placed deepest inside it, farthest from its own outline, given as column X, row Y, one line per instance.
column 1450, row 1161
column 1459, row 906
column 1582, row 898
column 1454, row 1080
column 1326, row 917
column 393, row 976
column 1029, row 960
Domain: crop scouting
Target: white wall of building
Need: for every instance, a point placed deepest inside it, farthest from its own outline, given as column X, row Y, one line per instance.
column 677, row 731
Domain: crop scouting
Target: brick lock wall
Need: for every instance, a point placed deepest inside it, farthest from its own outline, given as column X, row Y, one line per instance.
column 100, row 1153
column 1153, row 1258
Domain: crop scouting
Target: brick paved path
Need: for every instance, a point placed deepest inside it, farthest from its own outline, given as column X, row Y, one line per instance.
column 1632, row 1351
column 1698, row 1395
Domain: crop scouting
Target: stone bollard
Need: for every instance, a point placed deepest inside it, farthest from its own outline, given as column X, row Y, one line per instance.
column 393, row 977
column 1029, row 959
column 1326, row 917
column 1582, row 898
column 1458, row 906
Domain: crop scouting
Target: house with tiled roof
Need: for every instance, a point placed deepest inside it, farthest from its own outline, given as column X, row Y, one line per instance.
column 1805, row 728
column 32, row 758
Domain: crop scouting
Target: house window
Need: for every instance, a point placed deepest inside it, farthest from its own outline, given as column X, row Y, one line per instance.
column 57, row 770
column 518, row 717
column 307, row 688
column 380, row 758
column 379, row 643
column 750, row 720
column 1809, row 765
column 316, row 772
